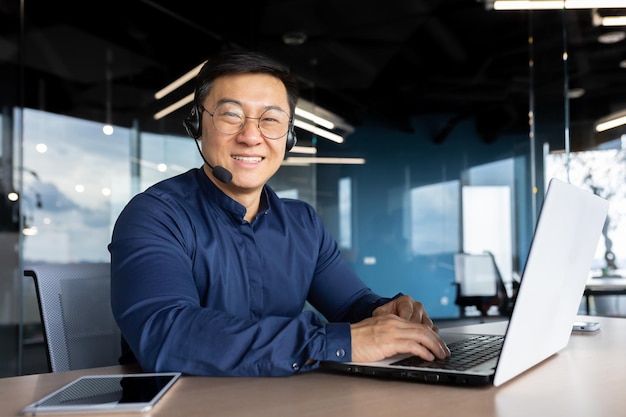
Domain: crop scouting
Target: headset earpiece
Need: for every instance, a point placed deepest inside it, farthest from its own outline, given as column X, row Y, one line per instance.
column 291, row 138
column 192, row 123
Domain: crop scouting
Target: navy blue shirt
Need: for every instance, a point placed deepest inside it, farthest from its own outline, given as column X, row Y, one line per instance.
column 197, row 289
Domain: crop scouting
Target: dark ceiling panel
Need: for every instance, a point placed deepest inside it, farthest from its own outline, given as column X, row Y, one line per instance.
column 363, row 59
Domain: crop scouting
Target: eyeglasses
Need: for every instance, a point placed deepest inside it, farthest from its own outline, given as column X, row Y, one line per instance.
column 229, row 118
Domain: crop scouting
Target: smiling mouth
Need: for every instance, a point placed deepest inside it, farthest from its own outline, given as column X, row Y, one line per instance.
column 248, row 158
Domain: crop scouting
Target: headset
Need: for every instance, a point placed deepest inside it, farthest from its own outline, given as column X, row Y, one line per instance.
column 193, row 126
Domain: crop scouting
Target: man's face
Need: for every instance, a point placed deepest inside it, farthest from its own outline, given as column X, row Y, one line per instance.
column 251, row 157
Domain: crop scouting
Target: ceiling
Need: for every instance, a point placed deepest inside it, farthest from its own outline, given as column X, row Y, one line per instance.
column 367, row 60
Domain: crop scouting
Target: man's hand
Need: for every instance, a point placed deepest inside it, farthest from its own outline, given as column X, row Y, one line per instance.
column 407, row 308
column 400, row 326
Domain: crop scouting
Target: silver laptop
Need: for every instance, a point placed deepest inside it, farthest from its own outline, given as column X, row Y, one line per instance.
column 553, row 281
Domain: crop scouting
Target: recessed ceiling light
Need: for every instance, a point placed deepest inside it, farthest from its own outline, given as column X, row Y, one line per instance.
column 576, row 92
column 294, row 38
column 611, row 37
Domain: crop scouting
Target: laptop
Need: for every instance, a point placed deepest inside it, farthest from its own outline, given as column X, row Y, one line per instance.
column 551, row 288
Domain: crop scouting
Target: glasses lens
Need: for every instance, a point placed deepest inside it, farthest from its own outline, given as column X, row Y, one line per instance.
column 228, row 118
column 274, row 123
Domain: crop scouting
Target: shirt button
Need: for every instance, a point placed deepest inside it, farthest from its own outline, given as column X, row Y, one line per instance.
column 295, row 366
column 340, row 353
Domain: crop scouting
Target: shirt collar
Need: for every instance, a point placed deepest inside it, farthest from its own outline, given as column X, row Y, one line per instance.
column 229, row 205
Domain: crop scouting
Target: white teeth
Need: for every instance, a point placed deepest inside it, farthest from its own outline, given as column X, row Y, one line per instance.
column 248, row 159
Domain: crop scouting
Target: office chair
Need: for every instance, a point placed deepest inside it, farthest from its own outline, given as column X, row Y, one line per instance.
column 78, row 325
column 479, row 283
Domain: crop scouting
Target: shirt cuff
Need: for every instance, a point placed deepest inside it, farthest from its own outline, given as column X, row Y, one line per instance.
column 338, row 342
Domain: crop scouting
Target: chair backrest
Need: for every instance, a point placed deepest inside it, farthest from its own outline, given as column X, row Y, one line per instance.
column 75, row 307
column 479, row 284
column 476, row 274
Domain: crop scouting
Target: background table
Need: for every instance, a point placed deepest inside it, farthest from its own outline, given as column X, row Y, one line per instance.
column 603, row 287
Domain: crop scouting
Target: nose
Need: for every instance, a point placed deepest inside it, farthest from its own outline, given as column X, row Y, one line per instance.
column 250, row 129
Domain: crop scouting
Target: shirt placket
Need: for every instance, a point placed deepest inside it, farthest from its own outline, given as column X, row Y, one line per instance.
column 254, row 272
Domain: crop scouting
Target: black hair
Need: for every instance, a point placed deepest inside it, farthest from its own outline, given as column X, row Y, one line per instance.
column 244, row 62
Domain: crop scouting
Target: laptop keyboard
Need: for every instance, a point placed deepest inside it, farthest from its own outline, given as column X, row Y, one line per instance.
column 464, row 354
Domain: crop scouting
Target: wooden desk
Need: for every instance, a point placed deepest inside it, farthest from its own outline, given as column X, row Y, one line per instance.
column 585, row 379
column 603, row 286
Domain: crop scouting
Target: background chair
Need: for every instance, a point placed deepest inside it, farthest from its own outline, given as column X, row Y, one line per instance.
column 78, row 325
column 479, row 284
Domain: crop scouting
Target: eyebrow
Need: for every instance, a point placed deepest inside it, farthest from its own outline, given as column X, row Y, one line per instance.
column 227, row 100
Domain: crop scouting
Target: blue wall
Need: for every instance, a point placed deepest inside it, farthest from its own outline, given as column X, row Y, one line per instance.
column 397, row 161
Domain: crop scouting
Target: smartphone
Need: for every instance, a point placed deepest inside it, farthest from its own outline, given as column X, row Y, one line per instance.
column 586, row 326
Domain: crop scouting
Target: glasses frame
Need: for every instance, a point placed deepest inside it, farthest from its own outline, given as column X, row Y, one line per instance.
column 245, row 117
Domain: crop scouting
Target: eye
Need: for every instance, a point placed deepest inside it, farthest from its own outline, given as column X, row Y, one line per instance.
column 229, row 113
column 270, row 120
column 274, row 117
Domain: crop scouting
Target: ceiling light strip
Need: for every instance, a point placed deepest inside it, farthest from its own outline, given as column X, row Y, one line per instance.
column 173, row 107
column 318, row 131
column 610, row 124
column 322, row 160
column 177, row 83
column 304, row 149
column 557, row 5
column 320, row 121
column 613, row 21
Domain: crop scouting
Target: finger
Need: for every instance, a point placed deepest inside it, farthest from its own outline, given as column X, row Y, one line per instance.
column 437, row 346
column 428, row 347
column 405, row 309
column 423, row 352
column 425, row 319
column 421, row 336
column 420, row 315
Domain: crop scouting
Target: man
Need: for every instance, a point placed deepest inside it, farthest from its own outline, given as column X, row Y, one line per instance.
column 211, row 270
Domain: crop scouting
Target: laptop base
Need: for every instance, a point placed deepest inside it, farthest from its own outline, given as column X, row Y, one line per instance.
column 409, row 375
